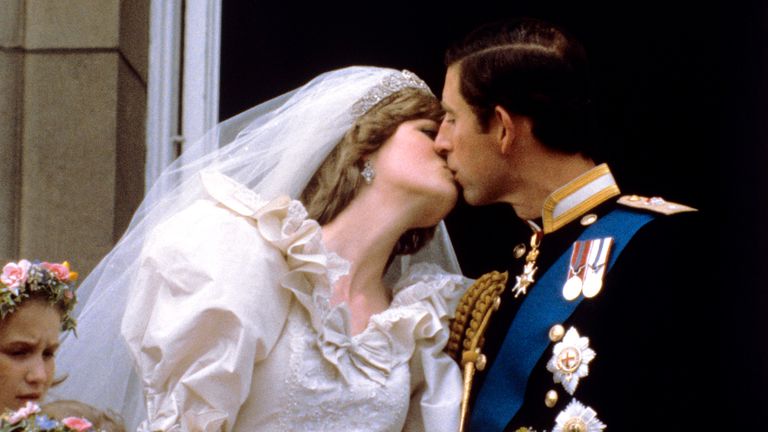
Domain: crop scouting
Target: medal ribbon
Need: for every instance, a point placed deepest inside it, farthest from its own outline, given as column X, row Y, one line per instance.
column 593, row 277
column 579, row 259
column 602, row 254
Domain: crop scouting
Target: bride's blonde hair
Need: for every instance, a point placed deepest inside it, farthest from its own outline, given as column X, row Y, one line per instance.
column 338, row 179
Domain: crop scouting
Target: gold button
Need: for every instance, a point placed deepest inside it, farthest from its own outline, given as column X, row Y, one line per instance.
column 588, row 219
column 481, row 362
column 551, row 399
column 519, row 250
column 634, row 198
column 556, row 333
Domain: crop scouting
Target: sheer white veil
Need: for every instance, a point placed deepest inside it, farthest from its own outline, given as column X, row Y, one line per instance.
column 274, row 149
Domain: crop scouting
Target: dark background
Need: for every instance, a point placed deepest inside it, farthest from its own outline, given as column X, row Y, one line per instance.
column 681, row 90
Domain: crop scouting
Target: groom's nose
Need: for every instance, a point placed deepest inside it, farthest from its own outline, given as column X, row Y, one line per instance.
column 443, row 144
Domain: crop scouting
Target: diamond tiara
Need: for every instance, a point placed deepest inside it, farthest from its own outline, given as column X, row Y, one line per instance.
column 389, row 85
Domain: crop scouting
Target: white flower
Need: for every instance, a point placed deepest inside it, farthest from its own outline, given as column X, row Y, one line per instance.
column 570, row 360
column 578, row 418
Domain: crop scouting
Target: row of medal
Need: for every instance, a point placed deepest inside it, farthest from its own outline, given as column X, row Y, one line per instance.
column 587, row 268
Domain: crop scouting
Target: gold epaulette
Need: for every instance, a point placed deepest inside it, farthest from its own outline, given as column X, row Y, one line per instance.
column 468, row 328
column 654, row 204
column 473, row 312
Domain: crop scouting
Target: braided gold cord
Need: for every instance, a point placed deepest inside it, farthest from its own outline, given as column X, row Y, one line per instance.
column 473, row 309
column 468, row 327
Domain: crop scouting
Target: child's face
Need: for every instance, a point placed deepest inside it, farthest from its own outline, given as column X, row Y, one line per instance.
column 29, row 338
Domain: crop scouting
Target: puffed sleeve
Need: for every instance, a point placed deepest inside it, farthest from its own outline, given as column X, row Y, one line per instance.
column 435, row 378
column 205, row 307
column 436, row 400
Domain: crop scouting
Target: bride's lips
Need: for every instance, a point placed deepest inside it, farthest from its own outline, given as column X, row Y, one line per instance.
column 451, row 173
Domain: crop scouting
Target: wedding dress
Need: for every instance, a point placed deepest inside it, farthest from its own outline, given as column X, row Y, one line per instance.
column 277, row 356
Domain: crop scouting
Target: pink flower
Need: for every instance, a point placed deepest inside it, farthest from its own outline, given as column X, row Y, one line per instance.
column 77, row 423
column 15, row 275
column 61, row 271
column 24, row 412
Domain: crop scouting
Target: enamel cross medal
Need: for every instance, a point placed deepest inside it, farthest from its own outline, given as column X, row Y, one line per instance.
column 526, row 278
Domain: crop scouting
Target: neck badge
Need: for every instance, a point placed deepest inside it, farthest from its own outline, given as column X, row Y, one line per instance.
column 529, row 270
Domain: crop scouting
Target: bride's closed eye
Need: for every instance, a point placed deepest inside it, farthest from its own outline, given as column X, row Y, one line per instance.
column 430, row 132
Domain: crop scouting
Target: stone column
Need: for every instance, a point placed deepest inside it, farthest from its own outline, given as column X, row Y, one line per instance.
column 11, row 29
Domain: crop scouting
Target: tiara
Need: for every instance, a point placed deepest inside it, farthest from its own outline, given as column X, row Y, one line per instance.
column 20, row 280
column 391, row 83
column 30, row 418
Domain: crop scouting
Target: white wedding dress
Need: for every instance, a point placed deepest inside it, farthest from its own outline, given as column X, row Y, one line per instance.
column 230, row 325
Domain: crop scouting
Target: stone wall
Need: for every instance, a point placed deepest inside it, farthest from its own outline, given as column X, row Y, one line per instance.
column 73, row 80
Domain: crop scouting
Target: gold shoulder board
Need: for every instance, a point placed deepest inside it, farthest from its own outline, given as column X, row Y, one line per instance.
column 654, row 204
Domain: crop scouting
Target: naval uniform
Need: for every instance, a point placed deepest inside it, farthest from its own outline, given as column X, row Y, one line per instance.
column 637, row 355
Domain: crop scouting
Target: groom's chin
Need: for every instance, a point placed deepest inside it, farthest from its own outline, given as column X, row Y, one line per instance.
column 472, row 197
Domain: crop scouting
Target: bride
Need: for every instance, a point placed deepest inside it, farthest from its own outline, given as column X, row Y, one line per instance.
column 295, row 279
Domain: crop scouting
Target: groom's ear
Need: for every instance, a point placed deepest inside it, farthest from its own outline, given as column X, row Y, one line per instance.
column 506, row 130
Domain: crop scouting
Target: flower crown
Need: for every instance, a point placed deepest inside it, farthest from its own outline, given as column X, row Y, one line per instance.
column 20, row 280
column 29, row 419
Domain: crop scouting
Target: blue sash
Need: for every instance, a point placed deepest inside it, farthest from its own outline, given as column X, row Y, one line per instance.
column 528, row 337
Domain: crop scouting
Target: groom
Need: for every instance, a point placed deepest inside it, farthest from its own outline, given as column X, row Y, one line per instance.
column 601, row 324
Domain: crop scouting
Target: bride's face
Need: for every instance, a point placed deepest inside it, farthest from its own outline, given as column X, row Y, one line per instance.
column 29, row 338
column 408, row 161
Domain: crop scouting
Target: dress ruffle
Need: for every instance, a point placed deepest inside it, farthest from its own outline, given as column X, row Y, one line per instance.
column 424, row 298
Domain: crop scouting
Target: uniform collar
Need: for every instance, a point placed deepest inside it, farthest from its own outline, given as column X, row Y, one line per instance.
column 578, row 196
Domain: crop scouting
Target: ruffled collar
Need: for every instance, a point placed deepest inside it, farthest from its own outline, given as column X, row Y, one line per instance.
column 424, row 298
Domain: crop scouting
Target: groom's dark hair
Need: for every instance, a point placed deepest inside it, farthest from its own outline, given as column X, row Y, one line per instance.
column 531, row 68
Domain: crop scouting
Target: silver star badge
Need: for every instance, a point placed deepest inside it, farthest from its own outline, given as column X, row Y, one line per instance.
column 578, row 417
column 570, row 360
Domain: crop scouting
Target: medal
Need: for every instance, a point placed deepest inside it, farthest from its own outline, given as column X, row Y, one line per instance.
column 572, row 288
column 592, row 286
column 595, row 269
column 587, row 268
column 529, row 270
column 575, row 278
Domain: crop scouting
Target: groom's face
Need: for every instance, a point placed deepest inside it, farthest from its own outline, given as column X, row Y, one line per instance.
column 472, row 154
